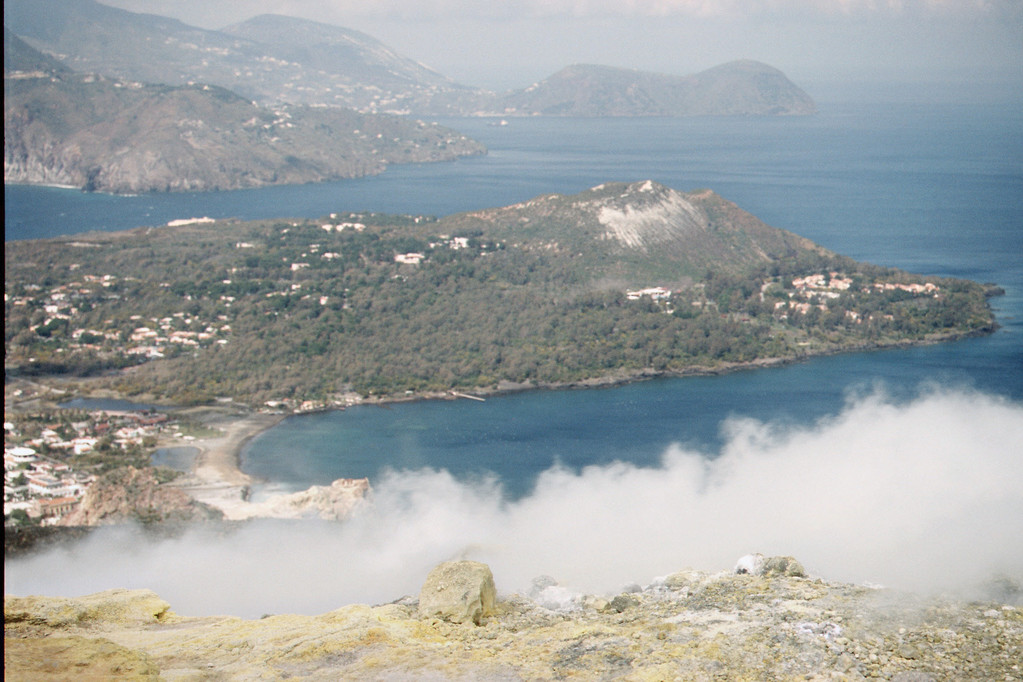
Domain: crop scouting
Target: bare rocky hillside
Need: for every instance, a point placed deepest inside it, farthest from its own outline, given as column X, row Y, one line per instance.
column 774, row 623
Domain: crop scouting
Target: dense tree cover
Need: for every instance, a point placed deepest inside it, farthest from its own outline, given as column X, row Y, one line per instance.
column 276, row 310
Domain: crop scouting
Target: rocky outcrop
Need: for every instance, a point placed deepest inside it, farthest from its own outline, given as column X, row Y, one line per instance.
column 458, row 592
column 28, row 656
column 130, row 494
column 124, row 607
column 690, row 625
column 758, row 564
column 32, row 659
column 333, row 502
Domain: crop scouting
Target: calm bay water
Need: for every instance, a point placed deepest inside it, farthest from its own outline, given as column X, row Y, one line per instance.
column 935, row 189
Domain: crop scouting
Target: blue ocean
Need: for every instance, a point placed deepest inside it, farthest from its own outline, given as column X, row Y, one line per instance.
column 900, row 467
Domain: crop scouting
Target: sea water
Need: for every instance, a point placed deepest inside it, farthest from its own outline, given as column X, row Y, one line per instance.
column 932, row 188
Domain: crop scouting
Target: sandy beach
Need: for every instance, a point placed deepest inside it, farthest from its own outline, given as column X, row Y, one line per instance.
column 216, row 478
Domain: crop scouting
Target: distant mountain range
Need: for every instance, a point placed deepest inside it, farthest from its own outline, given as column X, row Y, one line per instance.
column 110, row 100
column 275, row 59
column 67, row 128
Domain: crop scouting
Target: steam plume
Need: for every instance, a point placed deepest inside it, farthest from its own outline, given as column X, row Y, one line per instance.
column 925, row 494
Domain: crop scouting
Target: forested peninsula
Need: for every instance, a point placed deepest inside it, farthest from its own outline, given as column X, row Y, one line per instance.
column 618, row 282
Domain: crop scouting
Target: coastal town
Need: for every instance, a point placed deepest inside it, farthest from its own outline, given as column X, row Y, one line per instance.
column 51, row 458
column 798, row 295
column 87, row 319
column 57, row 313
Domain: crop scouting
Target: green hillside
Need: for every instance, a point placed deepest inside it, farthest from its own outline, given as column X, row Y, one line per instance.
column 560, row 289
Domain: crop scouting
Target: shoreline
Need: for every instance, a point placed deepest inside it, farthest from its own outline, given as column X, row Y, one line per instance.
column 216, row 477
column 219, row 458
column 624, row 377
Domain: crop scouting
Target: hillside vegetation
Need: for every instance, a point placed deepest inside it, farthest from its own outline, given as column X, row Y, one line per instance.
column 618, row 281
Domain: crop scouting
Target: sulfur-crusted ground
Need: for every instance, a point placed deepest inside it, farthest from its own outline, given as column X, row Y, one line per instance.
column 689, row 626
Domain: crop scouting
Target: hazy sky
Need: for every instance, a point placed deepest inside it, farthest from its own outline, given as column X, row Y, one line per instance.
column 511, row 43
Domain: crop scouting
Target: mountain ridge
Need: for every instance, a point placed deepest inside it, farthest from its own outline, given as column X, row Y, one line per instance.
column 274, row 59
column 635, row 228
column 305, row 35
column 101, row 134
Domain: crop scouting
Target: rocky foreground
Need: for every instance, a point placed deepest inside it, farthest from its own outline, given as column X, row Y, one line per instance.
column 770, row 622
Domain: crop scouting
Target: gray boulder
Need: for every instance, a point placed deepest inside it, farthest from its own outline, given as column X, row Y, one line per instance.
column 757, row 564
column 458, row 592
column 783, row 566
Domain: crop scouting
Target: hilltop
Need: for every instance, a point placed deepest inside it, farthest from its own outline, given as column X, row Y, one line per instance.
column 103, row 134
column 622, row 281
column 775, row 624
column 641, row 233
column 275, row 59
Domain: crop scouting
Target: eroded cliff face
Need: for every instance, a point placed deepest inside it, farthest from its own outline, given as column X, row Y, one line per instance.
column 130, row 494
column 690, row 625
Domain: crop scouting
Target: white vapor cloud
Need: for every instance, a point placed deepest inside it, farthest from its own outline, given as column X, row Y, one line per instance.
column 923, row 495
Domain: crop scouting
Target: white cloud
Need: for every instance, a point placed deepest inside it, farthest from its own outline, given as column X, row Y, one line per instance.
column 924, row 495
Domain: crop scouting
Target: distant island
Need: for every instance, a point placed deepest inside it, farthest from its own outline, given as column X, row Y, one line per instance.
column 82, row 130
column 742, row 88
column 619, row 282
column 273, row 60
